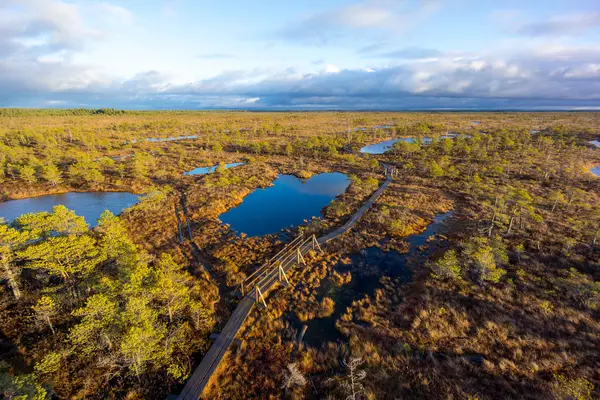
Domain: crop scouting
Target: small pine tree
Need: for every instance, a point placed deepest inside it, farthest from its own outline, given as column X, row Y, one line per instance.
column 446, row 267
column 435, row 170
column 27, row 174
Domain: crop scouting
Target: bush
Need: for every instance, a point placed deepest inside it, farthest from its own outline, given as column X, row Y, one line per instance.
column 337, row 209
column 446, row 267
column 572, row 389
column 326, row 308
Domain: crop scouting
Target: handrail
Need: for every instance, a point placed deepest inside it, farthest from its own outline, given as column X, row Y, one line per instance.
column 268, row 262
column 270, row 273
column 289, row 245
column 288, row 252
column 264, row 269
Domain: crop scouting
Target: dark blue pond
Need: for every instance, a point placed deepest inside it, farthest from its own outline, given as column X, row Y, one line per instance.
column 367, row 268
column 287, row 203
column 382, row 147
column 88, row 205
column 210, row 170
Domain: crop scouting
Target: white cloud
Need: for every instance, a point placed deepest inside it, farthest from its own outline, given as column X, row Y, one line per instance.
column 332, row 69
column 54, row 58
column 587, row 71
column 562, row 25
column 41, row 41
column 358, row 20
column 122, row 14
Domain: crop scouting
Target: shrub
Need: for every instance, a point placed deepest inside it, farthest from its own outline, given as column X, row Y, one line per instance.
column 572, row 389
column 326, row 308
column 337, row 209
column 446, row 267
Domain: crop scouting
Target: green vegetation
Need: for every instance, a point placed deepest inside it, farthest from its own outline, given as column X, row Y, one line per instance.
column 503, row 303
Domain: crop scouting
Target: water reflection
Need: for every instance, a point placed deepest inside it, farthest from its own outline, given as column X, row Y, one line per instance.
column 210, row 170
column 88, row 205
column 367, row 268
column 167, row 139
column 382, row 147
column 287, row 203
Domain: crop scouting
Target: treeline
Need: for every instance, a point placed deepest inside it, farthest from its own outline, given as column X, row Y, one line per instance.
column 53, row 112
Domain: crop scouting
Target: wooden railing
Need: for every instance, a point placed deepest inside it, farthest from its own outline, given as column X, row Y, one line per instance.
column 262, row 279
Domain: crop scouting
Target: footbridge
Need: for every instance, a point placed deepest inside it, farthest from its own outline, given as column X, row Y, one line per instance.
column 254, row 291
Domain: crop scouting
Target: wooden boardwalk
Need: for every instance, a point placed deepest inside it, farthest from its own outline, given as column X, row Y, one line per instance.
column 352, row 221
column 267, row 280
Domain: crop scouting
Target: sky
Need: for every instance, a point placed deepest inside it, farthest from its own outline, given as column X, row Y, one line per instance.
column 304, row 55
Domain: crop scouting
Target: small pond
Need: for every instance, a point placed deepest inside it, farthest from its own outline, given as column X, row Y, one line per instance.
column 367, row 267
column 595, row 171
column 210, row 170
column 595, row 142
column 88, row 205
column 287, row 203
column 167, row 139
column 382, row 147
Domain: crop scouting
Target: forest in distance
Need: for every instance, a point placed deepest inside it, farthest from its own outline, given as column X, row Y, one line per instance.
column 474, row 275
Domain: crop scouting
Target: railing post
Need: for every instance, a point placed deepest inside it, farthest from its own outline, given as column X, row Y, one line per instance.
column 315, row 244
column 282, row 274
column 259, row 293
column 300, row 258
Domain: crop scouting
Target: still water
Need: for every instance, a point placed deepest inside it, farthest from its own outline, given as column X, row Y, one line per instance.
column 287, row 203
column 382, row 147
column 210, row 170
column 167, row 139
column 367, row 268
column 88, row 205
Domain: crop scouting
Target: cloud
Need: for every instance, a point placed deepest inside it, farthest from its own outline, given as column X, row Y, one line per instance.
column 356, row 20
column 50, row 23
column 40, row 39
column 586, row 71
column 521, row 80
column 410, row 53
column 568, row 25
column 217, row 56
column 550, row 78
column 121, row 13
column 38, row 42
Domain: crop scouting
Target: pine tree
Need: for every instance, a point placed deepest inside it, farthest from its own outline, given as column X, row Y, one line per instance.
column 52, row 175
column 171, row 287
column 446, row 267
column 11, row 240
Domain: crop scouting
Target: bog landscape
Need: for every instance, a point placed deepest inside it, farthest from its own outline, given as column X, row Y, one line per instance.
column 324, row 255
column 316, row 199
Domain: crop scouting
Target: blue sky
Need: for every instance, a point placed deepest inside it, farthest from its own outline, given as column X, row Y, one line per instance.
column 327, row 54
